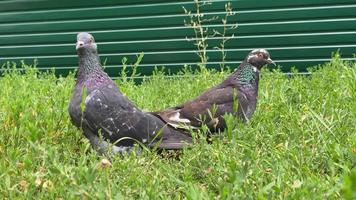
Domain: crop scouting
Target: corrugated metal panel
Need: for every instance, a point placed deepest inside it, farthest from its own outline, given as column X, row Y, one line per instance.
column 297, row 33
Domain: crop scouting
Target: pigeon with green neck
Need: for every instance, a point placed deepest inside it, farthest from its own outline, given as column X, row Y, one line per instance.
column 108, row 118
column 239, row 90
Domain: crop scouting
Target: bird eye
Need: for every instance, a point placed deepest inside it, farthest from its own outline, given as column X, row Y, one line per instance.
column 260, row 55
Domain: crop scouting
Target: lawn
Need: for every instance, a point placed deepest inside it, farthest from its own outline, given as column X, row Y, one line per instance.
column 300, row 143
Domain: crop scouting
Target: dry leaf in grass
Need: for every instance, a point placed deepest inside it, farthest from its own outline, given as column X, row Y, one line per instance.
column 23, row 185
column 47, row 184
column 297, row 184
column 104, row 163
column 38, row 182
column 20, row 165
column 268, row 170
column 209, row 170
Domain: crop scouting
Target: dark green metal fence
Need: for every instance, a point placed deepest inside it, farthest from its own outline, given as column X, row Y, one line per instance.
column 297, row 33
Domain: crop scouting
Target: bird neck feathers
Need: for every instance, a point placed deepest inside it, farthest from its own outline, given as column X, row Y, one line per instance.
column 247, row 73
column 89, row 62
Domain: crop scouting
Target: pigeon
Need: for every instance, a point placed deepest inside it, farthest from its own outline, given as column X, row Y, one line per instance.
column 107, row 117
column 237, row 95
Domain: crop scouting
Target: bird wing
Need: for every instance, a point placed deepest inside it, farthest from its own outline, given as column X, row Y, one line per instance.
column 190, row 113
column 109, row 113
column 115, row 117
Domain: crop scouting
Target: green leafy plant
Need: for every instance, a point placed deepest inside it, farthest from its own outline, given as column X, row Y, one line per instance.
column 200, row 23
column 129, row 73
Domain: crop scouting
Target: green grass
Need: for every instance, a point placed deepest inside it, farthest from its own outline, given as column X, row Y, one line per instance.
column 300, row 144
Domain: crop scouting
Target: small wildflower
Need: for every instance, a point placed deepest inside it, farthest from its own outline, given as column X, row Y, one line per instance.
column 268, row 170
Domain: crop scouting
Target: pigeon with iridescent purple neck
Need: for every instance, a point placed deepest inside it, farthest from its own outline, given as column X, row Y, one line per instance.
column 108, row 118
column 235, row 95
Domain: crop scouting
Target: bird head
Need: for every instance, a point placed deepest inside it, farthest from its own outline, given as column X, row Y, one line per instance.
column 259, row 58
column 85, row 41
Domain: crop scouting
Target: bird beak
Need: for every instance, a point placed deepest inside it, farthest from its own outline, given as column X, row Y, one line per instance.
column 79, row 44
column 270, row 61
